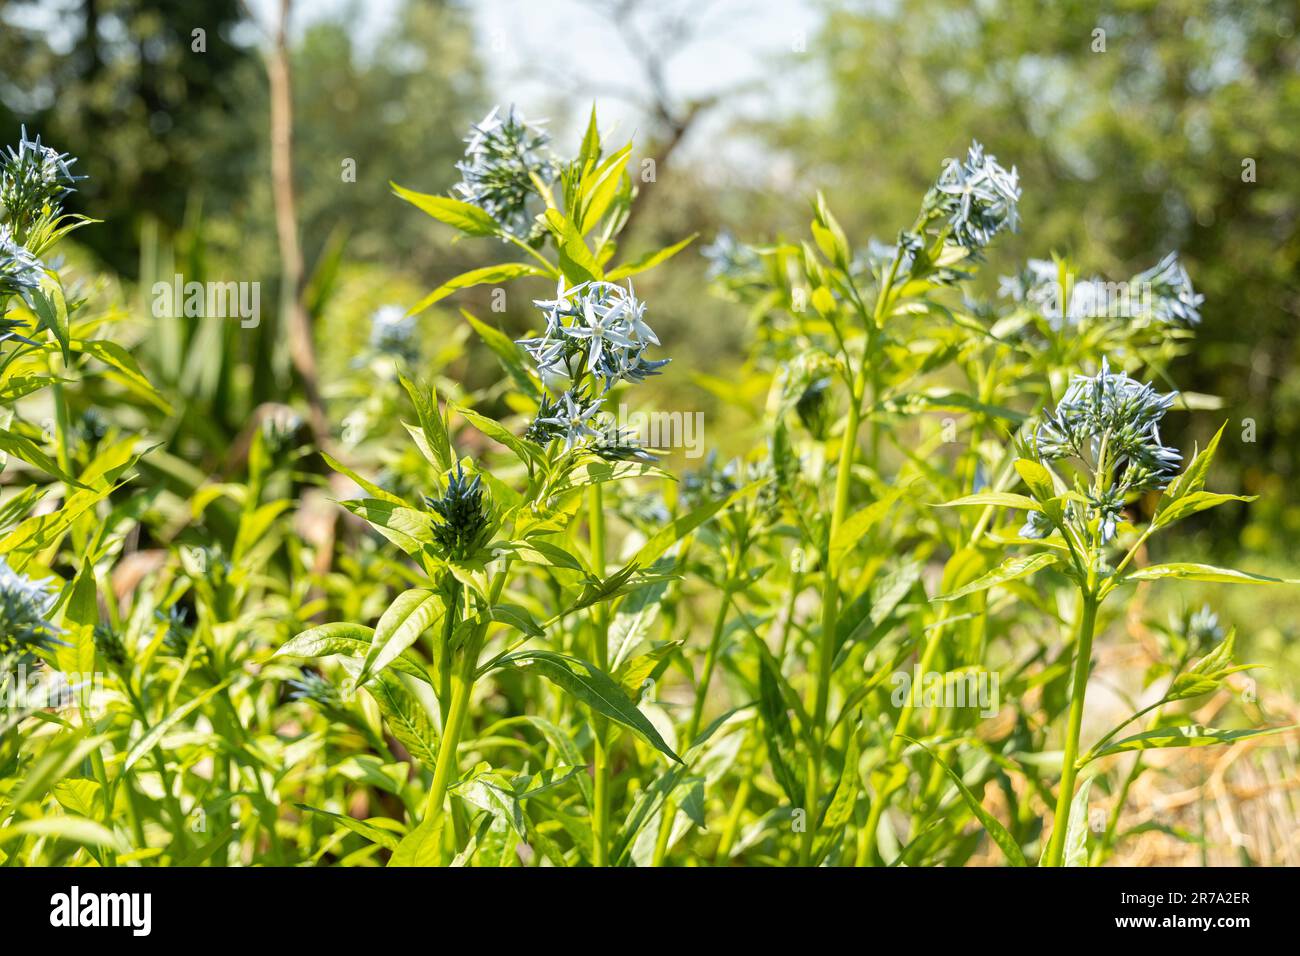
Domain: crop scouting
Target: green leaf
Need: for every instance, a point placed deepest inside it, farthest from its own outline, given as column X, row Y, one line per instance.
column 650, row 260
column 680, row 527
column 526, row 452
column 423, row 845
column 1202, row 572
column 411, row 614
column 22, row 447
column 345, row 640
column 576, row 260
column 371, row 832
column 468, row 218
column 1190, row 504
column 857, row 525
column 157, row 732
column 72, row 829
column 507, row 351
column 1005, row 841
column 589, row 152
column 1193, row 477
column 633, row 672
column 1192, row 735
column 366, row 484
column 1076, row 831
column 1207, row 673
column 840, row 809
column 512, row 615
column 425, row 400
column 407, row 528
column 998, row 499
column 406, row 717
column 1037, row 478
column 488, row 275
column 76, row 655
column 598, row 189
column 1009, row 570
column 591, row 686
column 128, row 372
column 52, row 313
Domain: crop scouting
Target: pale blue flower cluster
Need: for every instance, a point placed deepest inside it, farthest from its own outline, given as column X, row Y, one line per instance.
column 24, row 609
column 392, row 332
column 1108, row 422
column 1172, row 297
column 34, row 177
column 20, row 271
column 978, row 197
column 595, row 332
column 503, row 154
column 729, row 258
column 1162, row 294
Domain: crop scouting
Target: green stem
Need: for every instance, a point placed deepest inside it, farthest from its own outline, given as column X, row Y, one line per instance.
column 669, row 813
column 462, row 687
column 867, row 836
column 600, row 655
column 444, row 651
column 710, row 662
column 1078, row 690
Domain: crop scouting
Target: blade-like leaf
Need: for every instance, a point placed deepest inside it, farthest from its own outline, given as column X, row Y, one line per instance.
column 1005, row 841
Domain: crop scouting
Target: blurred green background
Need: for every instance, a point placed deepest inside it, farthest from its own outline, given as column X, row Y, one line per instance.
column 1137, row 127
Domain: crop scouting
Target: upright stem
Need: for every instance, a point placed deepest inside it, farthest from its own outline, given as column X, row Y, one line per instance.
column 668, row 816
column 1078, row 689
column 710, row 662
column 600, row 655
column 830, row 618
column 450, row 619
column 867, row 836
column 462, row 687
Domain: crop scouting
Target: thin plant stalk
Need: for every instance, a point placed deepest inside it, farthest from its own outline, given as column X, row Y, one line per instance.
column 1078, row 690
column 600, row 653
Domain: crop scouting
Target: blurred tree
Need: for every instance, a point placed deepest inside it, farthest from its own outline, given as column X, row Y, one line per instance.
column 131, row 84
column 1138, row 128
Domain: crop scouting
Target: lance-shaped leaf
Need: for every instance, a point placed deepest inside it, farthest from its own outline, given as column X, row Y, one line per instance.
column 1193, row 477
column 576, row 259
column 998, row 499
column 1005, row 841
column 421, row 846
column 484, row 276
column 345, row 640
column 410, row 615
column 468, row 218
column 156, row 732
column 407, row 528
column 525, row 451
column 858, row 524
column 1037, row 478
column 1191, row 503
column 1076, row 830
column 1202, row 572
column 1207, row 673
column 433, row 428
column 374, row 834
column 1192, row 735
column 591, row 686
column 649, row 260
column 1009, row 570
column 507, row 351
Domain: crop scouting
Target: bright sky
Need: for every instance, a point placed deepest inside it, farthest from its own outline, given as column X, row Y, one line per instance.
column 547, row 55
